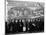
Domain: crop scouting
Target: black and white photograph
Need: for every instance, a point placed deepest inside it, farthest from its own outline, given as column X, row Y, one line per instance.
column 23, row 17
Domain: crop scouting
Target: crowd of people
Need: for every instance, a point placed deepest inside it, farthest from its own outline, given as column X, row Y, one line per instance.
column 24, row 25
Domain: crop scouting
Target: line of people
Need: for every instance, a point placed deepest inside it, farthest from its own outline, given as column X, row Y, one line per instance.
column 18, row 25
